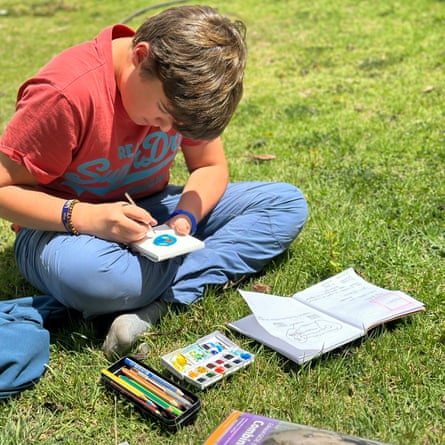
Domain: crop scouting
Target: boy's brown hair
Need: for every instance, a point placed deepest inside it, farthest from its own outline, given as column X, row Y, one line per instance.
column 200, row 57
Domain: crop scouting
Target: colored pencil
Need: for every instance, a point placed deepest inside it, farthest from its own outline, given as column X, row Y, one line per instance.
column 129, row 198
column 180, row 399
column 153, row 388
column 131, row 201
column 117, row 382
column 147, row 403
column 157, row 380
column 153, row 397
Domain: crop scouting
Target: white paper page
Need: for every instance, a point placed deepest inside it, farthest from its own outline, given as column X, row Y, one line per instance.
column 350, row 298
column 297, row 324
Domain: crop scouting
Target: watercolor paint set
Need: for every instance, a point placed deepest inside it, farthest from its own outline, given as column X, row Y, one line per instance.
column 208, row 360
column 154, row 395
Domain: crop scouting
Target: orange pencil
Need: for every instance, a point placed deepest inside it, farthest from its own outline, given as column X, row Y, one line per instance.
column 150, row 405
column 153, row 388
column 128, row 390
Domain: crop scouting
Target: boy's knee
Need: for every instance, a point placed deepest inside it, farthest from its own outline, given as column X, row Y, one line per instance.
column 94, row 287
column 292, row 201
column 293, row 211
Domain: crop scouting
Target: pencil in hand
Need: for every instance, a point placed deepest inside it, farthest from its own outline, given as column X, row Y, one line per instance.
column 150, row 232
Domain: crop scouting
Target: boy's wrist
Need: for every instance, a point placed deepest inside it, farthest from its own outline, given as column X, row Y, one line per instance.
column 66, row 216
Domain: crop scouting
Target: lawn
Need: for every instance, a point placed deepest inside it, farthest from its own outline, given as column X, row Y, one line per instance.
column 343, row 99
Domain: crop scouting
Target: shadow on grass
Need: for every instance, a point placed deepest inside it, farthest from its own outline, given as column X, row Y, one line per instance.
column 70, row 331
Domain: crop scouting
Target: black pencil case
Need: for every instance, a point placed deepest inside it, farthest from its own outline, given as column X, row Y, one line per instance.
column 178, row 406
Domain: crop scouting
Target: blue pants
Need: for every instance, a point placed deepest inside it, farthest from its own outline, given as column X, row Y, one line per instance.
column 251, row 224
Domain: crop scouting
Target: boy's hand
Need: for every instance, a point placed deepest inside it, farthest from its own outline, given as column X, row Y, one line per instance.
column 118, row 221
column 181, row 224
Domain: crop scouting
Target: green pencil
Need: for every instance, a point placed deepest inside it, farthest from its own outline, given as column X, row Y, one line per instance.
column 130, row 389
column 151, row 396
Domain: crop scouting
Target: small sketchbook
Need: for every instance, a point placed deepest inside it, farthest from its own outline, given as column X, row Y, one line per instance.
column 164, row 243
column 251, row 429
column 322, row 317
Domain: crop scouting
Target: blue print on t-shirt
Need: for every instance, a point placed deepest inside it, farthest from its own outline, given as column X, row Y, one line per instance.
column 99, row 177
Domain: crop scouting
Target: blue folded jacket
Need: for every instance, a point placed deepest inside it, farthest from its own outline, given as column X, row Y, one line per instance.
column 24, row 342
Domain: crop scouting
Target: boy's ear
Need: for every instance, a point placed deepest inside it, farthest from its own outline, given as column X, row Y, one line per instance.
column 140, row 52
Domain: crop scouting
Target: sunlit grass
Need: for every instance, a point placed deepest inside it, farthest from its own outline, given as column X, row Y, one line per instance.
column 345, row 99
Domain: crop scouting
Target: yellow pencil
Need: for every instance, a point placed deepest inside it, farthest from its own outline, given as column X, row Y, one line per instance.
column 134, row 391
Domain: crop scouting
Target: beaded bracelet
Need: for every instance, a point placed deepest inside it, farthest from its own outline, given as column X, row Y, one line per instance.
column 67, row 213
column 189, row 215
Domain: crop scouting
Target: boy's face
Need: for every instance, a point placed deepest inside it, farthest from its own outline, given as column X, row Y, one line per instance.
column 144, row 99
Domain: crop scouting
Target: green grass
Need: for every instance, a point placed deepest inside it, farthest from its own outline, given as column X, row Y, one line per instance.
column 348, row 97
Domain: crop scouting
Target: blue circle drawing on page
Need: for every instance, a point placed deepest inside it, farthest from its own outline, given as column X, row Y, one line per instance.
column 164, row 240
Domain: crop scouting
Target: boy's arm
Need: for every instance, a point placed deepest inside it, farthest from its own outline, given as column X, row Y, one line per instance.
column 22, row 203
column 206, row 184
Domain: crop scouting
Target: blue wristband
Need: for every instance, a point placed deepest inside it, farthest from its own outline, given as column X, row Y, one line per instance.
column 189, row 215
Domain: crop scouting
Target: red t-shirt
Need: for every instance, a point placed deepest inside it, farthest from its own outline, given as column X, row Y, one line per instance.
column 73, row 135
